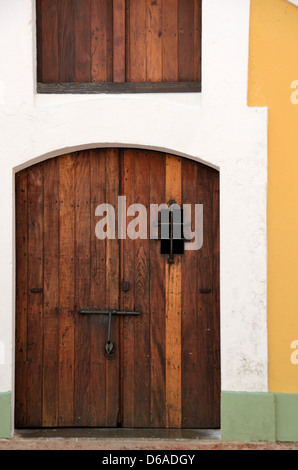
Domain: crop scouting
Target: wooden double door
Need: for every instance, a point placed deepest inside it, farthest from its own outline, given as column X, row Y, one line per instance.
column 163, row 370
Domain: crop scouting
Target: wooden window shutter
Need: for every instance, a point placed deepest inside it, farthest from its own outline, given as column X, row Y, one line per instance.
column 118, row 46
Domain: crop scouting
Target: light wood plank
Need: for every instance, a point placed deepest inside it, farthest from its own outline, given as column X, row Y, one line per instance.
column 119, row 40
column 173, row 309
column 154, row 41
column 170, row 40
column 101, row 41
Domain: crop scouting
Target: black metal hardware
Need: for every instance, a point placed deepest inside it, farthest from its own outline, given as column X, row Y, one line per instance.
column 171, row 202
column 36, row 290
column 205, row 291
column 86, row 311
column 125, row 286
column 109, row 346
column 171, row 244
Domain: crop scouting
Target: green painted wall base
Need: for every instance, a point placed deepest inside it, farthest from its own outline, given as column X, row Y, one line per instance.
column 245, row 417
column 252, row 417
column 5, row 415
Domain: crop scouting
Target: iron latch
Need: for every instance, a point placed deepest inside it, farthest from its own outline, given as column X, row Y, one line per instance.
column 109, row 346
column 86, row 311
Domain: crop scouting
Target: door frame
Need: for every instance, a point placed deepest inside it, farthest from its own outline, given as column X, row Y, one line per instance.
column 57, row 154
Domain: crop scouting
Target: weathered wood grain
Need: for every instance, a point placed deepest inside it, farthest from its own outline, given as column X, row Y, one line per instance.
column 165, row 368
column 66, row 166
column 35, row 301
column 50, row 369
column 173, row 308
column 21, row 299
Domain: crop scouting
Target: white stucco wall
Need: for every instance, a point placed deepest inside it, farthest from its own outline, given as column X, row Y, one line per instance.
column 215, row 126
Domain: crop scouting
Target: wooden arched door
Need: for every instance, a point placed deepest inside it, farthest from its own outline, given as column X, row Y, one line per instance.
column 162, row 308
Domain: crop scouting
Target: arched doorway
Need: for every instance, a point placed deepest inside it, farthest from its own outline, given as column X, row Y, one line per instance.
column 115, row 324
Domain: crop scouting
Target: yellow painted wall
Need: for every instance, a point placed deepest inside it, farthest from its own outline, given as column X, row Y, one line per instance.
column 272, row 69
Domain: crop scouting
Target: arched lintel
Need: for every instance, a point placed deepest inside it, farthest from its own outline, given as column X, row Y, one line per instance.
column 65, row 150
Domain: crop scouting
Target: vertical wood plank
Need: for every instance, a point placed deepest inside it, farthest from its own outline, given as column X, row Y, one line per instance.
column 21, row 299
column 98, row 323
column 128, row 298
column 186, row 40
column 66, row 37
column 197, row 40
column 216, row 302
column 82, row 27
column 35, row 300
column 154, row 41
column 157, row 302
column 127, row 41
column 112, row 292
column 142, row 297
column 170, row 40
column 138, row 43
column 173, row 309
column 189, row 327
column 82, row 289
column 51, row 285
column 47, row 14
column 119, row 40
column 66, row 289
column 101, row 40
column 205, row 312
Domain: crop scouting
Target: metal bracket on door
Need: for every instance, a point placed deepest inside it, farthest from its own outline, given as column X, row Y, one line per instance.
column 109, row 346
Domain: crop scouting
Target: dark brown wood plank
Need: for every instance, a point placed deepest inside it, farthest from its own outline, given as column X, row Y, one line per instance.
column 35, row 300
column 197, row 40
column 186, row 40
column 39, row 49
column 66, row 38
column 82, row 289
column 170, row 40
column 216, row 302
column 128, row 298
column 189, row 327
column 119, row 40
column 47, row 14
column 112, row 292
column 142, row 295
column 205, row 304
column 101, row 40
column 122, row 292
column 21, row 300
column 82, row 29
column 127, row 40
column 154, row 41
column 51, row 290
column 98, row 323
column 137, row 41
column 66, row 289
column 116, row 88
column 157, row 303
